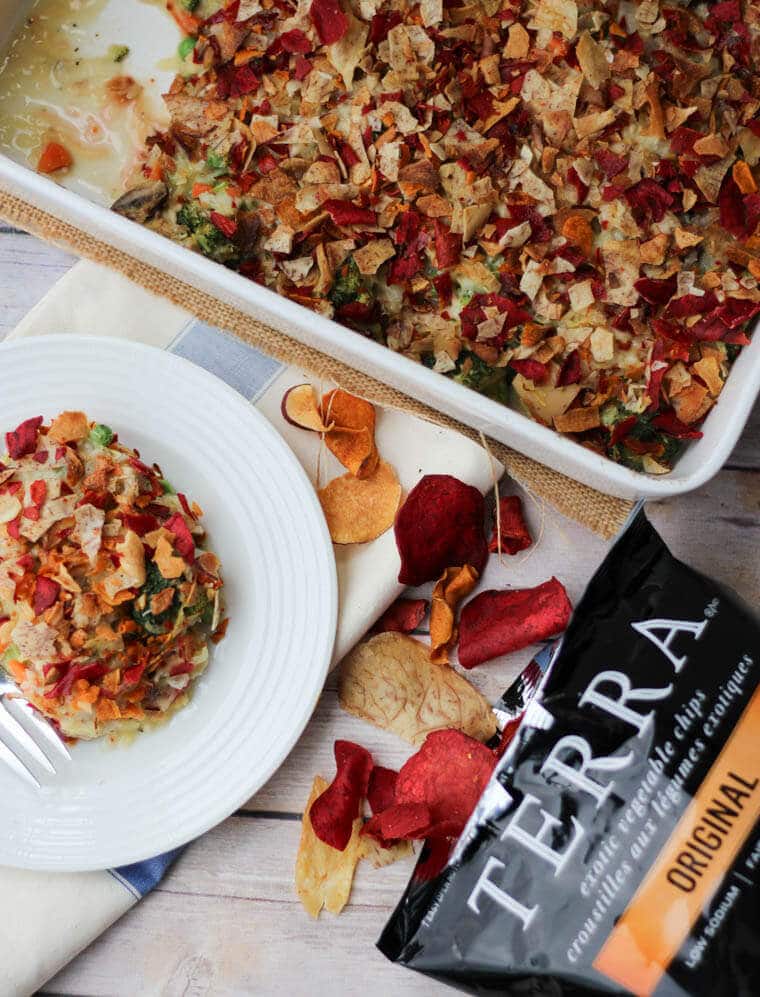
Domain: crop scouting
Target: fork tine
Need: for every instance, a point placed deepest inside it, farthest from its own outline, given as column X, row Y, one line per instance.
column 22, row 739
column 13, row 761
column 39, row 725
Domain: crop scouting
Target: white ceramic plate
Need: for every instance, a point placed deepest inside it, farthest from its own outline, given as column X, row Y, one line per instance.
column 114, row 805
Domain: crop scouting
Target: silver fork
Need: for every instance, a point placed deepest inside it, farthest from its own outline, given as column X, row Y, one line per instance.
column 26, row 737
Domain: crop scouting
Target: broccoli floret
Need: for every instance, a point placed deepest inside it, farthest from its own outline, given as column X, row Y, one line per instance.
column 101, row 435
column 191, row 216
column 208, row 238
column 190, row 5
column 141, row 614
column 480, row 376
column 217, row 164
column 347, row 284
column 202, row 609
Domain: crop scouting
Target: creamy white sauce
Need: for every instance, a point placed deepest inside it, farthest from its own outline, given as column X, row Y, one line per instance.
column 54, row 87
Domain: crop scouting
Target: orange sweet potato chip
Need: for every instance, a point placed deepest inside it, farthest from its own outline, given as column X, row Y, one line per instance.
column 352, row 436
column 360, row 509
column 69, row 427
column 323, row 874
column 453, row 585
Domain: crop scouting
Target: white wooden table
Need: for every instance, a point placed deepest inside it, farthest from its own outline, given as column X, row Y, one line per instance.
column 226, row 919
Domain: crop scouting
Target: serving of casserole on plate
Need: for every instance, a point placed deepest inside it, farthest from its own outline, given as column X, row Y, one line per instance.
column 551, row 203
column 105, row 619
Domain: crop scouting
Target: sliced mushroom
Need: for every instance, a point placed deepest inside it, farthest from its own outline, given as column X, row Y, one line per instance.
column 142, row 202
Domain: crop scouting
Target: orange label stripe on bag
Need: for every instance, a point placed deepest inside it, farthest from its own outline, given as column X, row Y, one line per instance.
column 691, row 866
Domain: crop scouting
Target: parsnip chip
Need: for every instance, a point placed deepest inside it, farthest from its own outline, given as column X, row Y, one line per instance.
column 390, row 681
column 352, row 438
column 381, row 856
column 323, row 874
column 360, row 509
column 453, row 585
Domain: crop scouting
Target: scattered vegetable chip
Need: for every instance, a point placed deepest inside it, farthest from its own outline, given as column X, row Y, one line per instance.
column 437, row 789
column 334, row 811
column 300, row 408
column 323, row 874
column 361, row 509
column 453, row 586
column 352, row 436
column 390, row 681
column 403, row 616
column 381, row 855
column 439, row 525
column 381, row 789
column 495, row 623
column 448, row 774
column 512, row 529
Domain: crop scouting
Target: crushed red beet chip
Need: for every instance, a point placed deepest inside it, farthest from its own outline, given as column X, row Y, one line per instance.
column 334, row 812
column 139, row 522
column 45, row 594
column 668, row 422
column 515, row 535
column 382, row 788
column 531, row 369
column 345, row 213
column 495, row 623
column 440, row 525
column 22, row 441
column 403, row 616
column 329, row 20
column 571, row 370
column 295, row 41
column 183, row 538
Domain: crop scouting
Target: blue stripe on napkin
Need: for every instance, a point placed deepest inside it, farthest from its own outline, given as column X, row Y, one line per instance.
column 241, row 366
column 142, row 877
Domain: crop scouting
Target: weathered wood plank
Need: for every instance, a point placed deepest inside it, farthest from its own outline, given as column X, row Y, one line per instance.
column 28, row 269
column 227, row 921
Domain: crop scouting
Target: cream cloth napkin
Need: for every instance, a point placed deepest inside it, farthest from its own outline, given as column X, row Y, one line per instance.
column 45, row 920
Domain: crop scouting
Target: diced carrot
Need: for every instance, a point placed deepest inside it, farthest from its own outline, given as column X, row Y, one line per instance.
column 54, row 157
column 200, row 188
column 187, row 21
column 17, row 670
column 133, row 713
column 107, row 710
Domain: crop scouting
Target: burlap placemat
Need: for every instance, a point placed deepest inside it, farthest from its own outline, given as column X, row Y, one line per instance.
column 603, row 514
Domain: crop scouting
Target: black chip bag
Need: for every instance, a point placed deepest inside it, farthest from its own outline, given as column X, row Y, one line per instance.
column 616, row 847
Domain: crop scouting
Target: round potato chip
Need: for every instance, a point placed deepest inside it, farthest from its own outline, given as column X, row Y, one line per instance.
column 361, row 509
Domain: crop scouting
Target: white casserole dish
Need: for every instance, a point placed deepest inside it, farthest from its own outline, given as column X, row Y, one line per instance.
column 131, row 22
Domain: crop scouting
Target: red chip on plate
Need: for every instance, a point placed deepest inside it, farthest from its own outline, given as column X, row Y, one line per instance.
column 183, row 538
column 382, row 788
column 495, row 623
column 515, row 535
column 45, row 594
column 440, row 525
column 334, row 812
column 403, row 616
column 23, row 440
